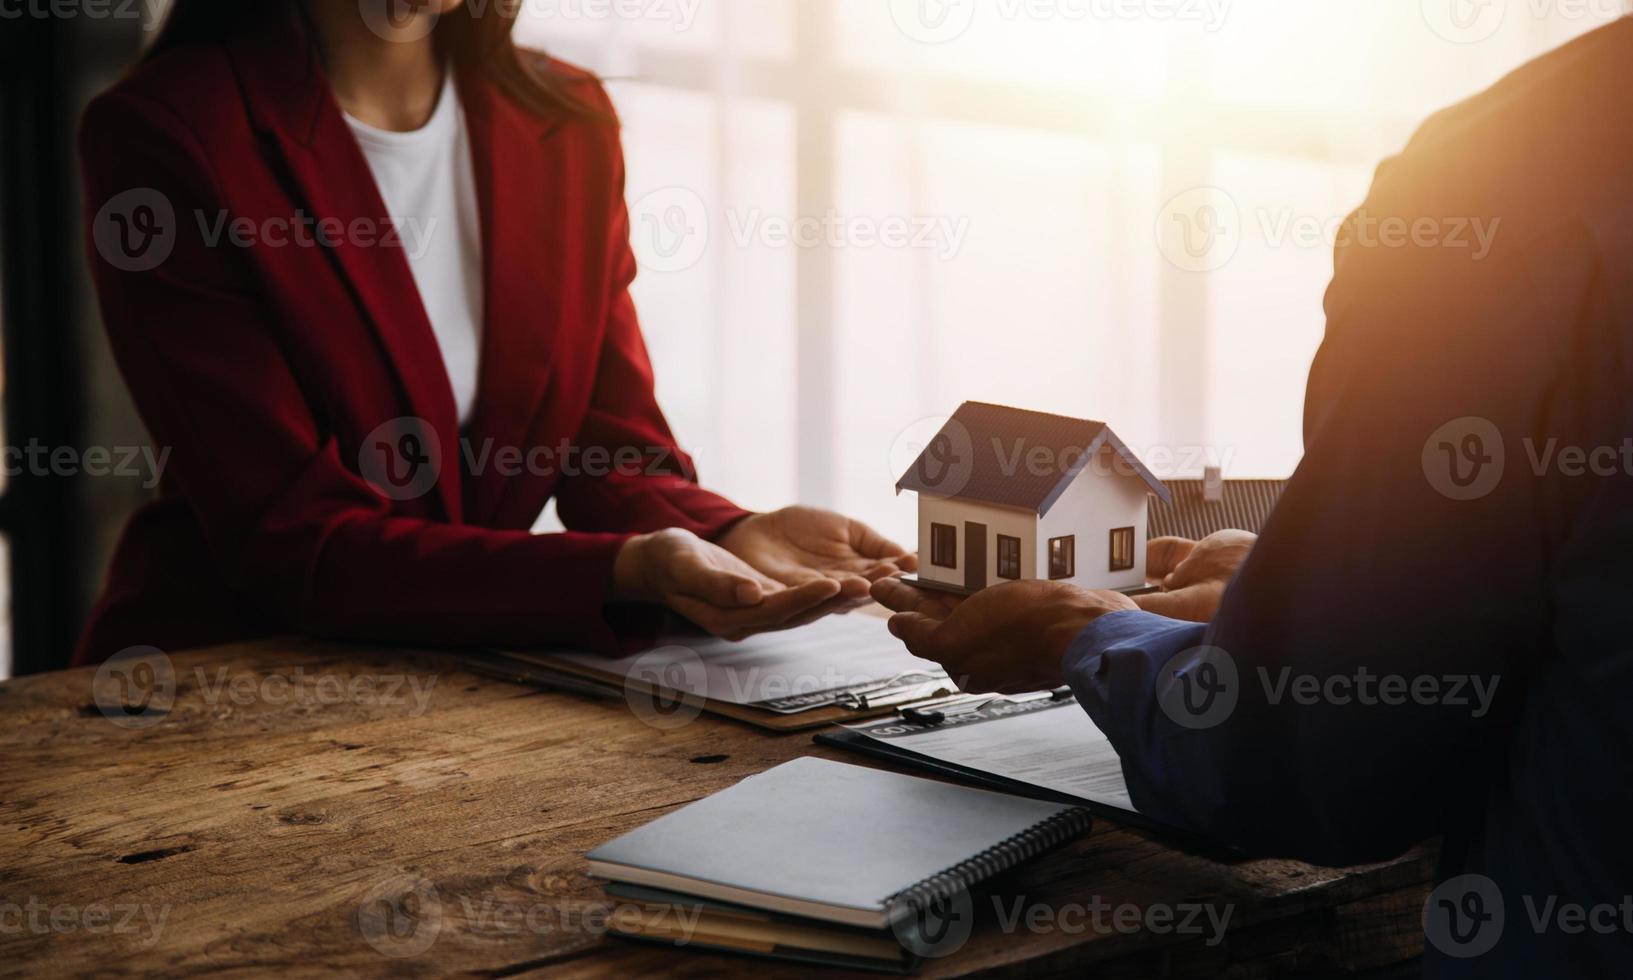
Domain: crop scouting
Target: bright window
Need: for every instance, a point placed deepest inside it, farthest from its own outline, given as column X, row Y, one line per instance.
column 1122, row 549
column 850, row 220
column 1063, row 557
column 1009, row 557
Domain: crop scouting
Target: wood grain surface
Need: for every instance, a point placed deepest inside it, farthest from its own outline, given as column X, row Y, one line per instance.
column 294, row 790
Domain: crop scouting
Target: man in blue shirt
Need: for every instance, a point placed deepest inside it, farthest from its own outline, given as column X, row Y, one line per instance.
column 1434, row 634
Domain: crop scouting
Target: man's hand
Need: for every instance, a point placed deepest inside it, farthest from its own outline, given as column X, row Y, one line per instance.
column 712, row 587
column 800, row 545
column 1193, row 574
column 1008, row 639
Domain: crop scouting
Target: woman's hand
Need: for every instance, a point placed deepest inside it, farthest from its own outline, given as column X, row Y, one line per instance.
column 712, row 587
column 1008, row 639
column 1193, row 574
column 800, row 545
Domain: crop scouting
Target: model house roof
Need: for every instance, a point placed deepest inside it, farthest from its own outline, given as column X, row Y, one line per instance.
column 1016, row 458
column 1243, row 504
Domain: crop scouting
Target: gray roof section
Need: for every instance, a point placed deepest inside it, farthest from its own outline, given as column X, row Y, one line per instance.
column 1246, row 505
column 1016, row 458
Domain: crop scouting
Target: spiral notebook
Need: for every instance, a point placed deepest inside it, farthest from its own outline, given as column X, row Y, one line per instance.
column 837, row 843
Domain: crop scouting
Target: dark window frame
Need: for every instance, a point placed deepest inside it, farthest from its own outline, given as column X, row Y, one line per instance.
column 49, row 66
column 944, row 545
column 1009, row 566
column 1127, row 534
column 1066, row 565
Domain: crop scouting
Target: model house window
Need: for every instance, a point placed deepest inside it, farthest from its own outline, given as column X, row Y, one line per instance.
column 1063, row 557
column 944, row 545
column 1009, row 556
column 1122, row 549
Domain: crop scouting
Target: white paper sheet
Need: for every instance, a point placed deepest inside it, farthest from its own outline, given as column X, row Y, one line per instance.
column 1052, row 744
column 779, row 671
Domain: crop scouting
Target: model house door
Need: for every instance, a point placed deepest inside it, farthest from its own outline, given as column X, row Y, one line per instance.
column 975, row 556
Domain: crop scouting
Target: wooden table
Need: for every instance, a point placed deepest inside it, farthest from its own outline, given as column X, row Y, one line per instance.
column 242, row 832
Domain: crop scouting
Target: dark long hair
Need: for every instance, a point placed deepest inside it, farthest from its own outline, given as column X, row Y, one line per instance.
column 473, row 36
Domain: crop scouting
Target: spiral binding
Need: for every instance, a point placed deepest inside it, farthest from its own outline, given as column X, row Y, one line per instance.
column 1000, row 857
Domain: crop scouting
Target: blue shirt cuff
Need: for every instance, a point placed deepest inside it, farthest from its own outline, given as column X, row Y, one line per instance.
column 1115, row 659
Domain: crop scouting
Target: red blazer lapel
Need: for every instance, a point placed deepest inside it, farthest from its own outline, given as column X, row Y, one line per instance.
column 290, row 101
column 521, row 185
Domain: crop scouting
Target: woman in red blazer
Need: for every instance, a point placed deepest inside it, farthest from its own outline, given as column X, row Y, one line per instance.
column 262, row 309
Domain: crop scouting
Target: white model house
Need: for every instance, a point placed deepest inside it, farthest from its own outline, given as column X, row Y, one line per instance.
column 1010, row 494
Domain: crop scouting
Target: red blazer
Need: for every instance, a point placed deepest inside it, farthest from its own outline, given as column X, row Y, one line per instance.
column 264, row 369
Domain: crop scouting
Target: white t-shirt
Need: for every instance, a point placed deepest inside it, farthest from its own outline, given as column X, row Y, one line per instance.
column 428, row 183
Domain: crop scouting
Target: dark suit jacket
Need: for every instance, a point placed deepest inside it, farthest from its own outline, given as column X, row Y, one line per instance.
column 1462, row 520
column 268, row 370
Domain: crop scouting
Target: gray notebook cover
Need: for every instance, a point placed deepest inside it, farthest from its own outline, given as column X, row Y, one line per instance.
column 839, row 835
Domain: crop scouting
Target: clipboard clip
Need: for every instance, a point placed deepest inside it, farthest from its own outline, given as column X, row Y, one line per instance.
column 936, row 712
column 909, row 685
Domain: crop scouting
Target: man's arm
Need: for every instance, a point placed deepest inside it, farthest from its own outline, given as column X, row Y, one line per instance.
column 1381, row 630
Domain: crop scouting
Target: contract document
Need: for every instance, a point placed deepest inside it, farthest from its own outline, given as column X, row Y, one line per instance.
column 1044, row 743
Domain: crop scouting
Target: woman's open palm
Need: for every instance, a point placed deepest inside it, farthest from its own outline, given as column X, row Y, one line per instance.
column 796, row 545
